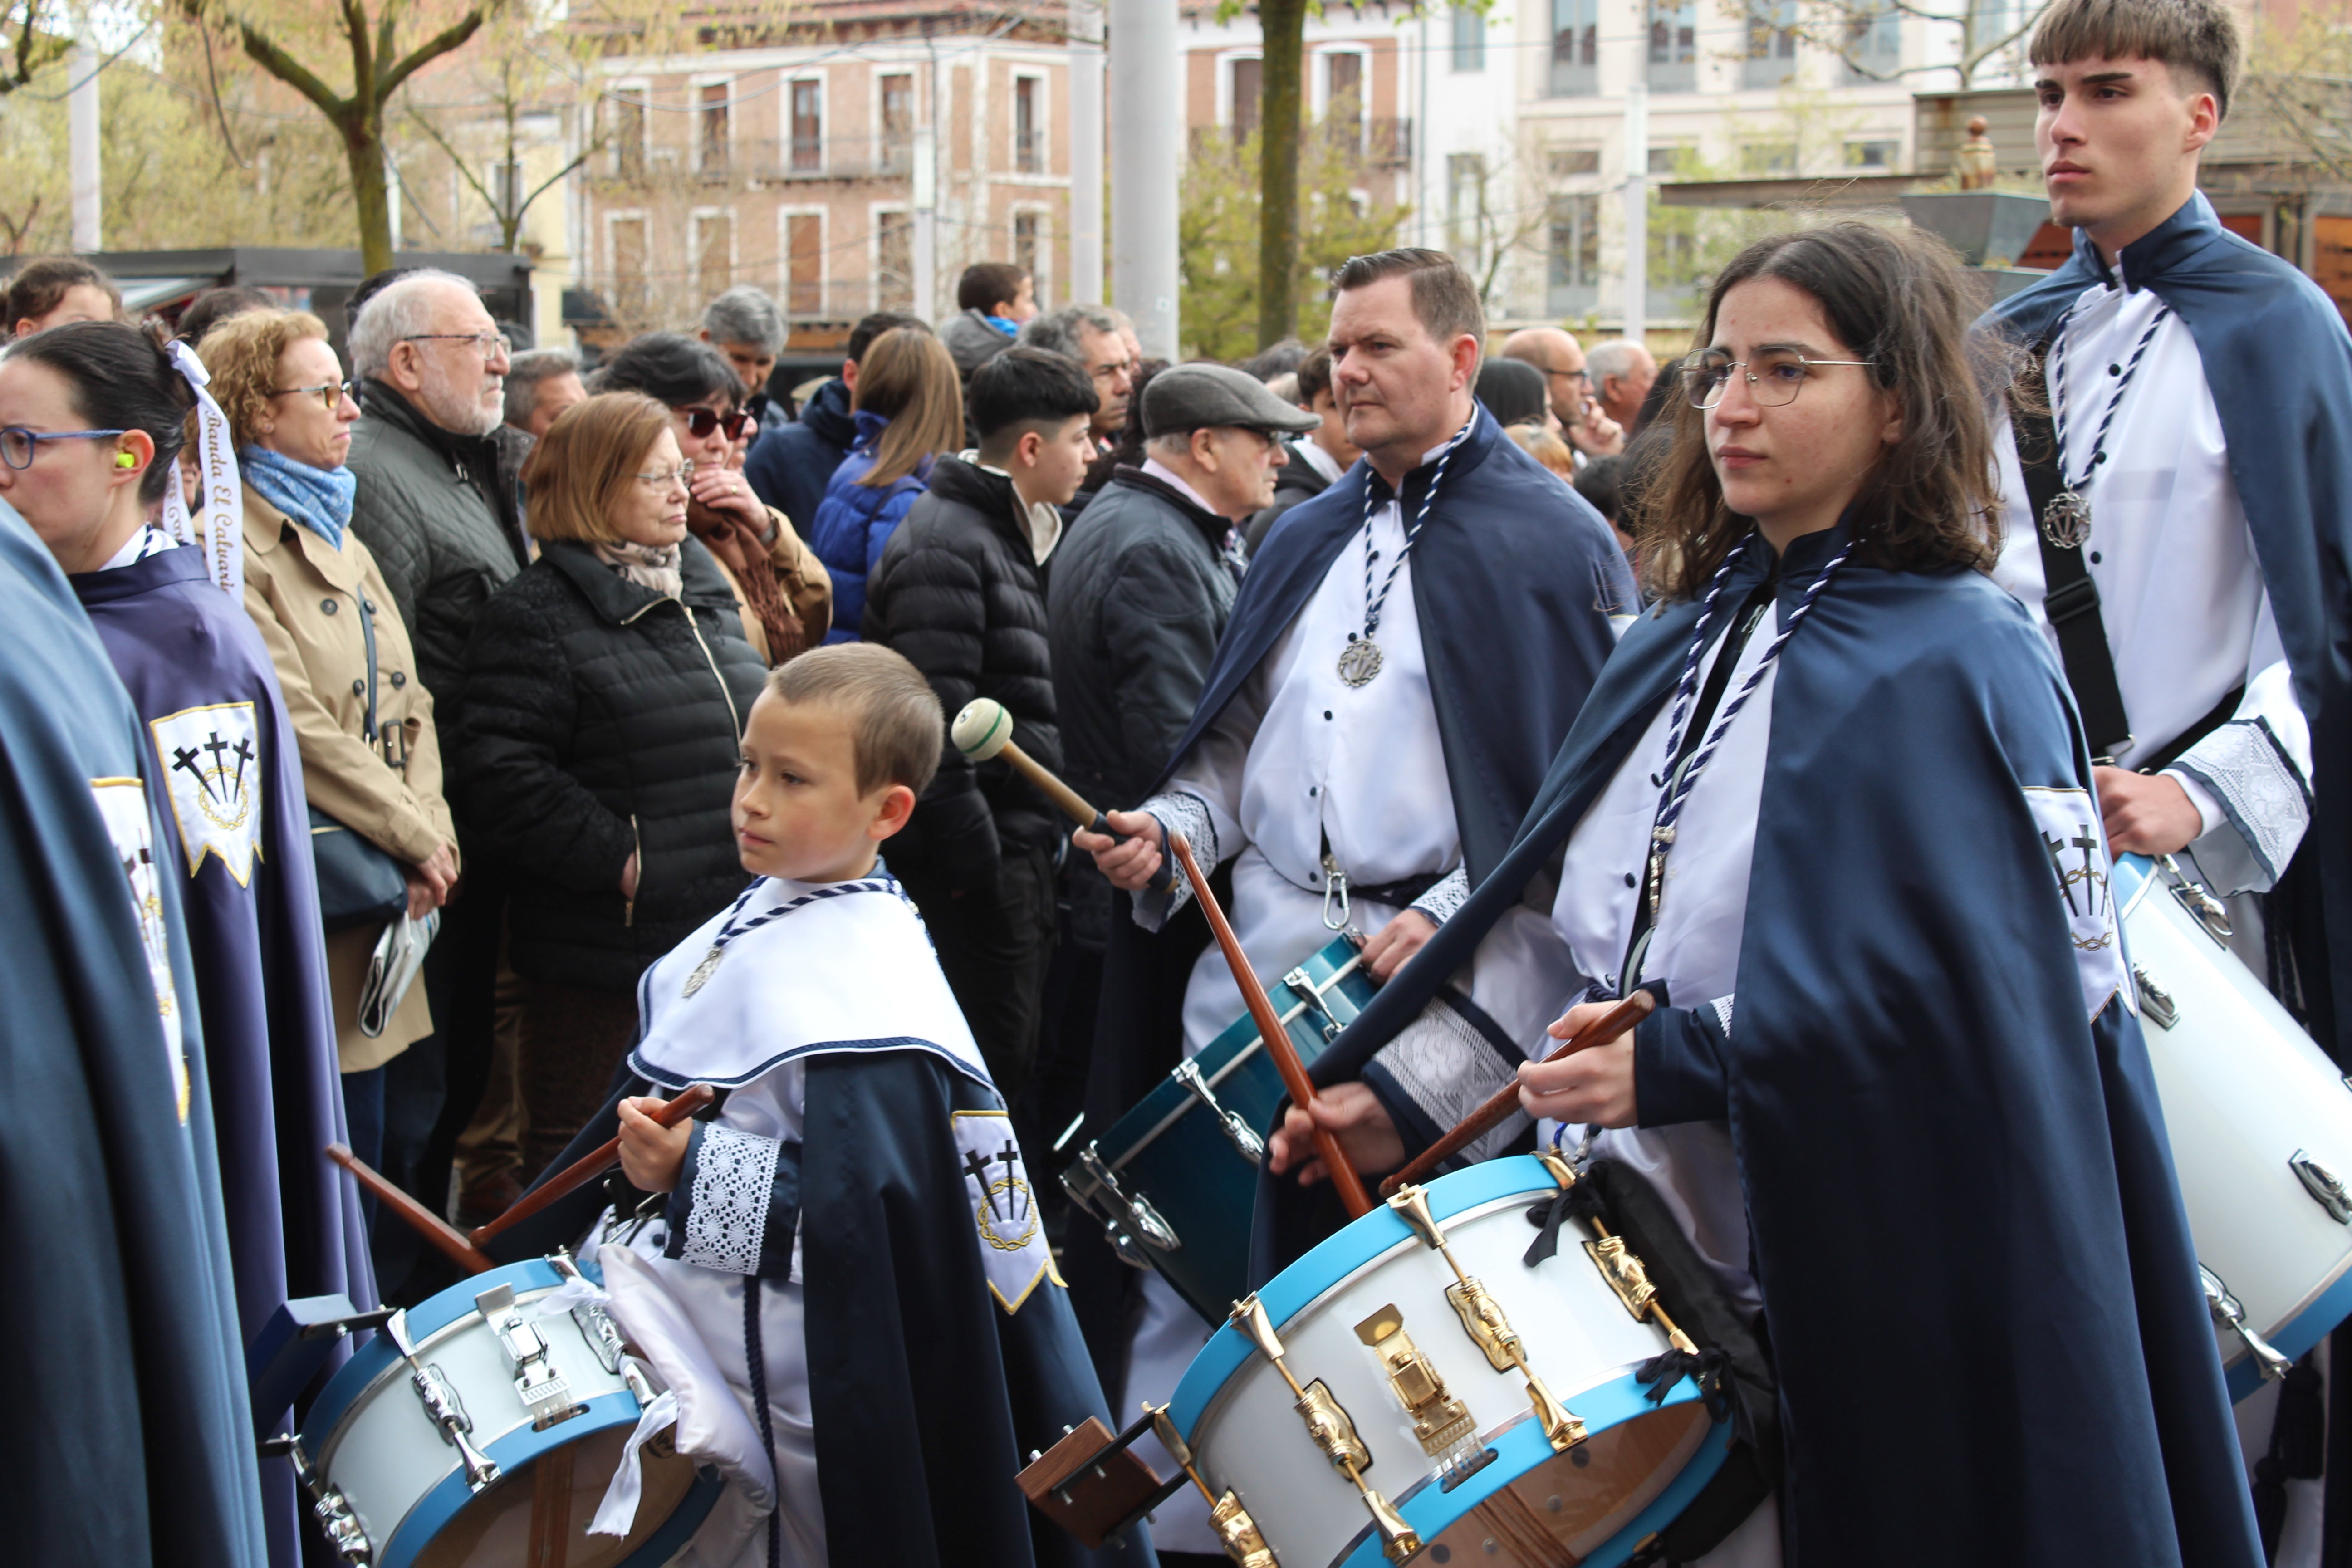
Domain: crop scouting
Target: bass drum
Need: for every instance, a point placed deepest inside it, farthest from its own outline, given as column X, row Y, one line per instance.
column 2261, row 1125
column 395, row 1489
column 1412, row 1390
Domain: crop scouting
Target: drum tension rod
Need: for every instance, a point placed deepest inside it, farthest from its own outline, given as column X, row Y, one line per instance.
column 1332, row 1430
column 1483, row 1319
column 1620, row 1269
column 442, row 1404
column 1237, row 1532
column 328, row 1505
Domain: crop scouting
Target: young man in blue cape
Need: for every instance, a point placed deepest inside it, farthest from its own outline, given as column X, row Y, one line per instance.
column 2201, row 389
column 222, row 774
column 133, row 1445
column 1406, row 651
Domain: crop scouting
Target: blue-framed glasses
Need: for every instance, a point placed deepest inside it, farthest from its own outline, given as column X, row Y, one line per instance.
column 18, row 444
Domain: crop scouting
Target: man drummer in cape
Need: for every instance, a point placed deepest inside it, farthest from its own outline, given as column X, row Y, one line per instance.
column 2184, row 543
column 1404, row 658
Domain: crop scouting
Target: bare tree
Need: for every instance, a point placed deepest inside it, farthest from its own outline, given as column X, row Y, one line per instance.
column 512, row 80
column 30, row 39
column 1844, row 26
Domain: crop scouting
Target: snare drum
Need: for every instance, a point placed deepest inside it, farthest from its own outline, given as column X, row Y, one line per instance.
column 1471, row 1452
column 542, row 1407
column 1174, row 1180
column 2261, row 1127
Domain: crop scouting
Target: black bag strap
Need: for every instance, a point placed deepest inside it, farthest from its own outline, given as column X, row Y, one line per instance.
column 2069, row 598
column 367, row 629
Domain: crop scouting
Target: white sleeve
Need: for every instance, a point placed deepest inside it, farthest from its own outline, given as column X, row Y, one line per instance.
column 1203, row 799
column 2250, row 778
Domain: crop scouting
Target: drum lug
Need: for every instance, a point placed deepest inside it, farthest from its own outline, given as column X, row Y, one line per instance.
column 1441, row 1422
column 2155, row 1001
column 1239, row 1134
column 542, row 1390
column 1126, row 1219
column 2326, row 1187
column 1330, row 1428
column 2203, row 907
column 445, row 1409
column 1622, row 1273
column 1238, row 1533
column 2231, row 1315
column 1302, row 986
column 328, row 1505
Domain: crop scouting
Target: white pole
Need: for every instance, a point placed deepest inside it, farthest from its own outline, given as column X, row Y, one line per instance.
column 1637, row 207
column 392, row 198
column 1146, row 161
column 1085, row 282
column 926, row 198
column 82, row 138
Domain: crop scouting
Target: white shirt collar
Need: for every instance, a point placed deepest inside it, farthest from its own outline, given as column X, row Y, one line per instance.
column 1312, row 453
column 1174, row 481
column 149, row 541
column 1043, row 522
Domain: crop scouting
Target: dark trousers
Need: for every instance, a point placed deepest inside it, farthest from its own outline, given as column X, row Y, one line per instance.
column 995, row 947
column 570, row 1042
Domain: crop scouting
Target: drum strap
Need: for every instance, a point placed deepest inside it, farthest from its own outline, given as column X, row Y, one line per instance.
column 2069, row 598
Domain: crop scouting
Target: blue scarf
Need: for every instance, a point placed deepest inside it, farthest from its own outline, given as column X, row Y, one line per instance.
column 1005, row 324
column 318, row 499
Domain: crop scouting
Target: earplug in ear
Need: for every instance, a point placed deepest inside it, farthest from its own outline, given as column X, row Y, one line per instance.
column 126, row 460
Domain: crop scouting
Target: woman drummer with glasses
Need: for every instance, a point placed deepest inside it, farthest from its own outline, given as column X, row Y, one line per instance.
column 1831, row 806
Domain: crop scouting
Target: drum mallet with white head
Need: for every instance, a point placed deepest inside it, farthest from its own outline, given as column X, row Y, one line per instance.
column 984, row 730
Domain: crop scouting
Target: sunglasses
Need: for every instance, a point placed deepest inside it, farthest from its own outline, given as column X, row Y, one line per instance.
column 330, row 392
column 701, row 422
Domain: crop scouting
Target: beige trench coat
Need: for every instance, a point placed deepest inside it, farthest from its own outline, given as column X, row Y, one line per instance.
column 305, row 597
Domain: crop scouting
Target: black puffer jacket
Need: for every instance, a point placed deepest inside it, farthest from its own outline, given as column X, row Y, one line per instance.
column 958, row 591
column 602, row 719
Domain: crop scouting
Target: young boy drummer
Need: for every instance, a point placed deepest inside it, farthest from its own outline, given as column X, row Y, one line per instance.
column 848, row 1250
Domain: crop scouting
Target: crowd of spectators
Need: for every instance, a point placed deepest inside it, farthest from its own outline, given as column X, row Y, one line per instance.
column 519, row 604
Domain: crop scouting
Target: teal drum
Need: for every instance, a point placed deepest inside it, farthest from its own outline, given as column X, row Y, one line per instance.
column 1414, row 1390
column 1173, row 1180
column 480, row 1429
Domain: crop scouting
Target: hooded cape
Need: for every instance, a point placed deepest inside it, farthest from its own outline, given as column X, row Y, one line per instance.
column 2279, row 363
column 134, row 1445
column 1978, row 1281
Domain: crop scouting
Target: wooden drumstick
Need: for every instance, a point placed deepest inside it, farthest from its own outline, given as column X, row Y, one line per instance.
column 419, row 1218
column 1276, row 1039
column 1497, row 1110
column 983, row 730
column 590, row 1166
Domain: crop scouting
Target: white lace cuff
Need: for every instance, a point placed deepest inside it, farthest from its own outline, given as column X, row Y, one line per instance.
column 2263, row 794
column 734, row 1178
column 1722, row 1005
column 1445, row 900
column 1179, row 812
column 1448, row 1066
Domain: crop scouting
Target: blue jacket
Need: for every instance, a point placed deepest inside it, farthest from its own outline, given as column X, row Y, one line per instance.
column 788, row 466
column 854, row 522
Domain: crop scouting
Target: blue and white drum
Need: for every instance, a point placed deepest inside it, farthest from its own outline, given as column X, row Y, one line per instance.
column 1413, row 1389
column 491, row 1443
column 2260, row 1126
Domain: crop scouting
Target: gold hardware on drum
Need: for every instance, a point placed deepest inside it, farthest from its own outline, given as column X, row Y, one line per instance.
column 1483, row 1320
column 1624, row 1273
column 1440, row 1422
column 1238, row 1533
column 1332, row 1430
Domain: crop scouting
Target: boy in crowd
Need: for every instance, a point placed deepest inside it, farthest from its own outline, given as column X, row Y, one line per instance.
column 959, row 590
column 815, row 1251
column 996, row 299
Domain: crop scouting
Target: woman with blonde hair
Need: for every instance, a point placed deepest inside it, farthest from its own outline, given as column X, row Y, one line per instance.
column 362, row 721
column 909, row 410
column 605, row 689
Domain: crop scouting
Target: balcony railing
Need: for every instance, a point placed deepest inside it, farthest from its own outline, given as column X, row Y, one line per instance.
column 759, row 161
column 1385, row 144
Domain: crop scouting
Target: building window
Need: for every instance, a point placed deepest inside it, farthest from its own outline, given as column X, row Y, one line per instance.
column 804, row 264
column 1343, row 98
column 1673, row 47
column 712, row 156
column 1572, row 163
column 626, row 107
column 1573, row 283
column 1028, row 125
column 1874, row 45
column 898, row 124
column 1024, row 252
column 1666, row 162
column 629, row 267
column 1878, row 157
column 1466, row 206
column 1469, row 39
column 893, row 261
column 1768, row 158
column 1771, row 43
column 1575, row 48
column 808, row 127
column 714, row 253
column 1247, row 77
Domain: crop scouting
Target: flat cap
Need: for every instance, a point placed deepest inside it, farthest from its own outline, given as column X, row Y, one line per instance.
column 1186, row 397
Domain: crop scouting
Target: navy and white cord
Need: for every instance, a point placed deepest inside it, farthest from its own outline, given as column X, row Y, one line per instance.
column 2058, row 400
column 1372, row 505
column 730, row 930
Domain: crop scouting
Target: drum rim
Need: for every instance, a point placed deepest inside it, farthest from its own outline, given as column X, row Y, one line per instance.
column 518, row 1447
column 376, row 1360
column 2312, row 1320
column 2142, row 872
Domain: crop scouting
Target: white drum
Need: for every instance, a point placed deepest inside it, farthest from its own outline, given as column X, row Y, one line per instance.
column 2261, row 1127
column 491, row 1444
column 1459, row 1446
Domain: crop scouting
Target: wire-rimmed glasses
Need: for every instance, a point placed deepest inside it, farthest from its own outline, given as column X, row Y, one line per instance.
column 1774, row 376
column 489, row 345
column 663, row 479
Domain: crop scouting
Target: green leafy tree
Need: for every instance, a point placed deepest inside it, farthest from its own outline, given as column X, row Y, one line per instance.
column 1221, row 221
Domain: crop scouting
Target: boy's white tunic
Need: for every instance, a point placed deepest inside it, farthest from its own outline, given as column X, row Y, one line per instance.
column 849, row 970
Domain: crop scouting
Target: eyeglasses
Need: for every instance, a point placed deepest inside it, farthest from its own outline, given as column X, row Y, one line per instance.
column 663, row 479
column 489, row 345
column 701, row 422
column 1584, row 375
column 331, row 392
column 18, row 444
column 1773, row 379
